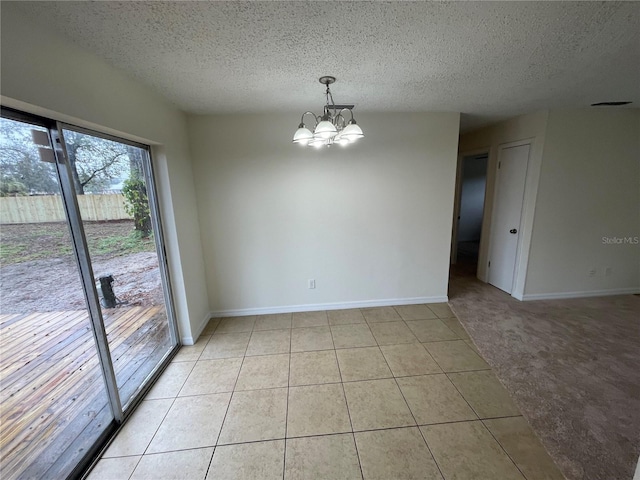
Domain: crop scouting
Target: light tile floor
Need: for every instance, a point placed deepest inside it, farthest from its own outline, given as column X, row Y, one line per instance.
column 373, row 393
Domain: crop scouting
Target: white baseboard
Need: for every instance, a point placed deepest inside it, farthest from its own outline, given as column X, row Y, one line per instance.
column 326, row 306
column 584, row 294
column 196, row 334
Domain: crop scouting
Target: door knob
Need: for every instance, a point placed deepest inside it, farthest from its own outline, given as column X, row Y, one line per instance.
column 513, row 230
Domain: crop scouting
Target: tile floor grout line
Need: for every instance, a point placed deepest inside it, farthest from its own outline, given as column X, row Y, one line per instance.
column 205, row 346
column 463, row 397
column 164, row 417
column 186, row 449
column 501, row 417
column 215, row 447
column 317, row 435
column 432, row 357
column 412, row 415
column 445, row 326
column 431, row 452
column 276, row 439
column 503, row 449
column 445, row 341
column 250, row 442
column 286, row 418
column 418, row 427
column 206, row 473
column 187, row 378
column 471, row 371
column 346, row 402
column 134, row 468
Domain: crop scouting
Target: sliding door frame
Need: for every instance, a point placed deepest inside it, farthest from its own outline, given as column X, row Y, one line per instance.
column 81, row 251
column 119, row 411
column 156, row 219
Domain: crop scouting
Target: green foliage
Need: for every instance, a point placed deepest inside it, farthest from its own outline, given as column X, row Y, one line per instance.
column 20, row 252
column 10, row 187
column 134, row 242
column 13, row 253
column 39, row 241
column 137, row 204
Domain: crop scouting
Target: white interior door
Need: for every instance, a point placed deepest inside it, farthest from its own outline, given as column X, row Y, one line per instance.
column 507, row 212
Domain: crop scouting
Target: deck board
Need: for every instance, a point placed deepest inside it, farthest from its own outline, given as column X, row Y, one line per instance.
column 51, row 383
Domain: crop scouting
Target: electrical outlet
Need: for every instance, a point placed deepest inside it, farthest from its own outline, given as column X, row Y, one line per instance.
column 312, row 283
column 592, row 272
column 608, row 271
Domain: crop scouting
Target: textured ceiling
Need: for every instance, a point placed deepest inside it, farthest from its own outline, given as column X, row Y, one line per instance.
column 488, row 60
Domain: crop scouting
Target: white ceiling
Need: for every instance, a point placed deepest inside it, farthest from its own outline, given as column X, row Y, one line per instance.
column 488, row 60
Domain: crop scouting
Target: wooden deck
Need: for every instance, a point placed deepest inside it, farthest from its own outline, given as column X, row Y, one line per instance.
column 51, row 387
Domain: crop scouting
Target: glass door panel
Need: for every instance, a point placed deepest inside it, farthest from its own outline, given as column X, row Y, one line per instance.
column 53, row 402
column 114, row 188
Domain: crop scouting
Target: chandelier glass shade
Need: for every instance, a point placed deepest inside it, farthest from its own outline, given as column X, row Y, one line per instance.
column 331, row 127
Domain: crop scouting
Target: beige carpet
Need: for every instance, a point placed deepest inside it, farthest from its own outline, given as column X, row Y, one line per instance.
column 573, row 367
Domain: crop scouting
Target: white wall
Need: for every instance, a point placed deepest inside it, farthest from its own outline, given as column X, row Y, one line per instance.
column 589, row 189
column 370, row 223
column 531, row 128
column 46, row 74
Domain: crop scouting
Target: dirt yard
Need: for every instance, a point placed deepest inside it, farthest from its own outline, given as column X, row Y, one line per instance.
column 38, row 272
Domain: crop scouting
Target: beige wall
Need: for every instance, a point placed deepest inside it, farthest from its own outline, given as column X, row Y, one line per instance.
column 583, row 184
column 44, row 73
column 370, row 223
column 589, row 189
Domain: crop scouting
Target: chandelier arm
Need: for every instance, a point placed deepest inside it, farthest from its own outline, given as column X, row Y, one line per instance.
column 308, row 113
column 350, row 111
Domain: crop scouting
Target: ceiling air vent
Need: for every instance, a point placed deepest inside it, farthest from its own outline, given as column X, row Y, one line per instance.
column 609, row 104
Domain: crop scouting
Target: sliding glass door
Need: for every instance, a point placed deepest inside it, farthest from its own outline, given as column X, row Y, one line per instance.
column 85, row 308
column 112, row 185
column 52, row 389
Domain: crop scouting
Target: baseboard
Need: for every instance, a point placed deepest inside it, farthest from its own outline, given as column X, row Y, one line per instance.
column 327, row 306
column 584, row 294
column 190, row 340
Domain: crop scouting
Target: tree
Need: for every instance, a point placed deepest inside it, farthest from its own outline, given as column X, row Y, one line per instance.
column 137, row 203
column 94, row 162
column 20, row 163
column 135, row 192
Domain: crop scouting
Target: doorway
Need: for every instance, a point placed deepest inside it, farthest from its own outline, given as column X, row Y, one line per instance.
column 86, row 316
column 472, row 182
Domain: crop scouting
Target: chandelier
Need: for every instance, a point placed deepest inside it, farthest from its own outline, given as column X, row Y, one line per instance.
column 332, row 127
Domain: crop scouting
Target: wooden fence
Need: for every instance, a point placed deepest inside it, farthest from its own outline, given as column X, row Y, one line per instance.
column 48, row 208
